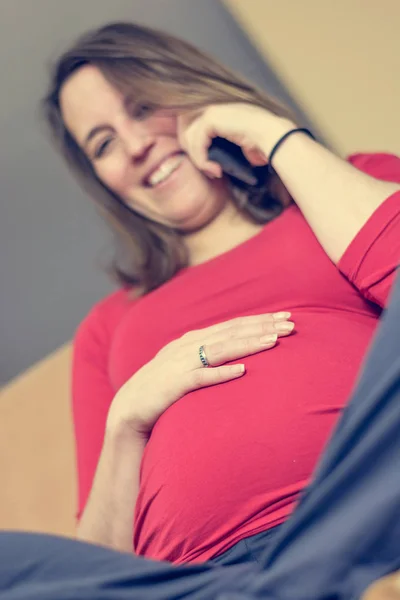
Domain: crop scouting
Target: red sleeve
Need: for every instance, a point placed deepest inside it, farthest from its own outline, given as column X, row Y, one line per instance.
column 92, row 392
column 371, row 260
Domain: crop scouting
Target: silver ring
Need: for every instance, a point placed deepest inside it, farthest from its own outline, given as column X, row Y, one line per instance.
column 203, row 357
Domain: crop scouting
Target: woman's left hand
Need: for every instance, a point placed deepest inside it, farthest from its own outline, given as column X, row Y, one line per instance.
column 253, row 128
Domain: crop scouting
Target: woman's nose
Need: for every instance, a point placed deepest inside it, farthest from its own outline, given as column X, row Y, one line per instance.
column 138, row 141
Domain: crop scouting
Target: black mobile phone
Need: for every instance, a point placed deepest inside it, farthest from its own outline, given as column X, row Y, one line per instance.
column 235, row 164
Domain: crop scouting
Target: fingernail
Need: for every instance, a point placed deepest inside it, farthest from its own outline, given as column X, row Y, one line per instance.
column 285, row 326
column 267, row 340
column 281, row 316
column 238, row 368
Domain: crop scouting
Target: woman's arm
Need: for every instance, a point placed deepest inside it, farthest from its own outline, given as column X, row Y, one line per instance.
column 108, row 454
column 335, row 198
column 108, row 517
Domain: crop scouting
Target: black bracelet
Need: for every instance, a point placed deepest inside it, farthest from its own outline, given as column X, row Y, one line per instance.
column 283, row 138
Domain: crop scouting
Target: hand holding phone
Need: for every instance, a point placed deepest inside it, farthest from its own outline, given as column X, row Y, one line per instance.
column 234, row 163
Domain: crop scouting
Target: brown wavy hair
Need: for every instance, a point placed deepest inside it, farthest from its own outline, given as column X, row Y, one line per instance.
column 158, row 70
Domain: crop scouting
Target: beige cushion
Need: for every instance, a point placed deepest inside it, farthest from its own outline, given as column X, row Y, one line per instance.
column 37, row 463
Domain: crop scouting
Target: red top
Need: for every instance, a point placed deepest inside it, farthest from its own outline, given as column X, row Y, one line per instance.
column 229, row 461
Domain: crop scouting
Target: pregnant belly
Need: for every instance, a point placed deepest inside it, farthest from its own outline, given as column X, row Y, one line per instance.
column 228, row 461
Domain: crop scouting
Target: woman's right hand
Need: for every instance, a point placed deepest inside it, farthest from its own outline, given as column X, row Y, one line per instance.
column 177, row 369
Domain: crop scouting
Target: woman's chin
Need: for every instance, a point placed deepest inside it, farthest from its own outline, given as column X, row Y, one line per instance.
column 194, row 217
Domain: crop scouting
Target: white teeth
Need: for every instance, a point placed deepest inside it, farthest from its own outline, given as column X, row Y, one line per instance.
column 165, row 169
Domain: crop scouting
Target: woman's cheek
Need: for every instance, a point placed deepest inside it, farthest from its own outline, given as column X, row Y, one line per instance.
column 113, row 174
column 165, row 124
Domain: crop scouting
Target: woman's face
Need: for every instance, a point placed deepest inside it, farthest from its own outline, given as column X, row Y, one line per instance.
column 138, row 156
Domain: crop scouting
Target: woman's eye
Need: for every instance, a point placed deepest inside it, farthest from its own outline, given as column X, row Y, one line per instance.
column 102, row 148
column 142, row 111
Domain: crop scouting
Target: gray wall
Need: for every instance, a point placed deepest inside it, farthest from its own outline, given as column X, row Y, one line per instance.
column 52, row 241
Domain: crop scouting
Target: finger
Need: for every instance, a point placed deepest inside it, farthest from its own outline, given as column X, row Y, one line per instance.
column 281, row 328
column 198, row 140
column 247, row 320
column 234, row 327
column 200, row 378
column 255, row 156
column 223, row 352
column 213, row 169
column 196, row 135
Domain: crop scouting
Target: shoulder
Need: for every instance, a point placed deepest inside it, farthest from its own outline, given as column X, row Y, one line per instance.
column 381, row 165
column 99, row 324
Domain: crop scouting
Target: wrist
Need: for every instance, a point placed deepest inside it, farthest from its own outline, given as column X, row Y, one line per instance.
column 272, row 131
column 118, row 428
column 122, row 439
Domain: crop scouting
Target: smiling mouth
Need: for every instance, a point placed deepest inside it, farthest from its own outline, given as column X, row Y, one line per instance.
column 167, row 167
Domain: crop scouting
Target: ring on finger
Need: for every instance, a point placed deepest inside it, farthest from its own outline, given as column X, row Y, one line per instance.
column 203, row 357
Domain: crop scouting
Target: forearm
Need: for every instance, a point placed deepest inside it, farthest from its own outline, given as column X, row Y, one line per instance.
column 108, row 516
column 335, row 198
